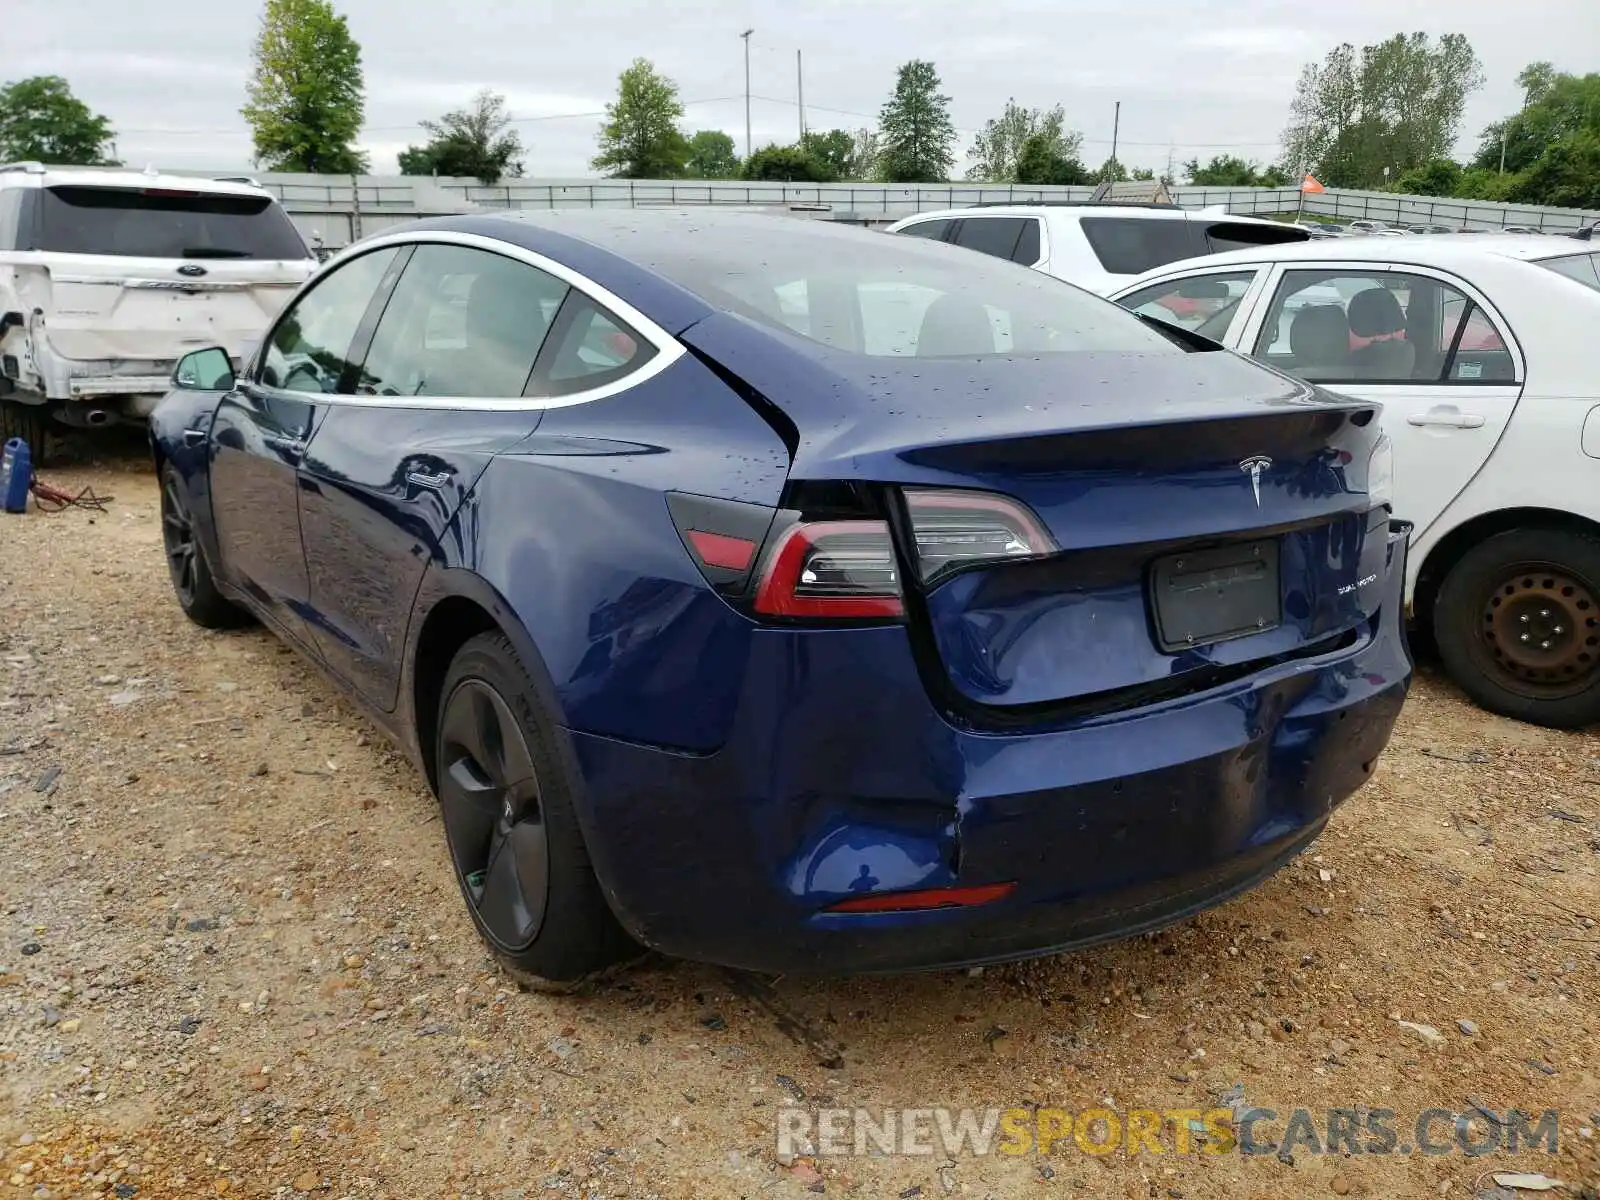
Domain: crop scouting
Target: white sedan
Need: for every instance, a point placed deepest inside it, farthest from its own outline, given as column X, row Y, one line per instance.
column 1482, row 352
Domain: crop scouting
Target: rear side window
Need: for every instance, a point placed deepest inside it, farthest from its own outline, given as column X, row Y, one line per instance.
column 590, row 348
column 461, row 322
column 158, row 223
column 1027, row 251
column 994, row 236
column 1133, row 245
column 1585, row 268
column 927, row 229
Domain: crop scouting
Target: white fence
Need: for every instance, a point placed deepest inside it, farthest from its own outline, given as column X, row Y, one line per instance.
column 342, row 209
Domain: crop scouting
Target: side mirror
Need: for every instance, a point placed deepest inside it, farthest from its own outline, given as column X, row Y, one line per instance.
column 208, row 370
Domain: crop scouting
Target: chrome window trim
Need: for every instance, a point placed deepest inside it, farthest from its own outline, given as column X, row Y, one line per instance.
column 668, row 349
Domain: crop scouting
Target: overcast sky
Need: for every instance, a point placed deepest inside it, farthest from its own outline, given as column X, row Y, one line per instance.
column 1198, row 77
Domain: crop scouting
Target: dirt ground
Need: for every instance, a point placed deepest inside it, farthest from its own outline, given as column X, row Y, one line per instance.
column 233, row 961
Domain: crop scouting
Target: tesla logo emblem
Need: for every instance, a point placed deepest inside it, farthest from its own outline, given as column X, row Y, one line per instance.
column 192, row 270
column 1253, row 467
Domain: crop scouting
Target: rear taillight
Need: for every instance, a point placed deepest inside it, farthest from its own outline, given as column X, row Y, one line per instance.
column 957, row 529
column 831, row 569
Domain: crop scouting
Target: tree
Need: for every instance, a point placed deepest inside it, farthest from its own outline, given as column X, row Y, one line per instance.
column 469, row 142
column 711, row 156
column 1224, row 170
column 307, row 97
column 1143, row 174
column 1556, row 106
column 1041, row 163
column 1113, row 170
column 832, row 150
column 42, row 121
column 641, row 138
column 1566, row 175
column 789, row 164
column 1359, row 120
column 863, row 155
column 998, row 145
column 915, row 131
column 1441, row 177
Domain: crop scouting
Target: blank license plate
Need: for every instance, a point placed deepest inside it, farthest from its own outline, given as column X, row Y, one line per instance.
column 1214, row 595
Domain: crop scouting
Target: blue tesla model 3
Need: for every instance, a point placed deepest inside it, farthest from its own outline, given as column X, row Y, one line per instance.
column 796, row 597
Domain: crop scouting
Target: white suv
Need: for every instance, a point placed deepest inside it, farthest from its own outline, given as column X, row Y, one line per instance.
column 1095, row 245
column 109, row 276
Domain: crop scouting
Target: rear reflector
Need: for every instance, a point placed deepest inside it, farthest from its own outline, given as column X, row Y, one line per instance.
column 926, row 898
column 720, row 550
column 831, row 569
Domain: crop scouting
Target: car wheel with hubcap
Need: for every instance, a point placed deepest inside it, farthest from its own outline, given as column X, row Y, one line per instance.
column 1517, row 620
column 506, row 794
column 191, row 574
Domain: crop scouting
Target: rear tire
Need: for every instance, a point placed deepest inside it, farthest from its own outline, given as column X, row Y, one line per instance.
column 192, row 581
column 506, row 792
column 1517, row 622
column 31, row 423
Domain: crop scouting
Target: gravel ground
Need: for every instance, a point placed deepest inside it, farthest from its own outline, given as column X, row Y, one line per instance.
column 233, row 961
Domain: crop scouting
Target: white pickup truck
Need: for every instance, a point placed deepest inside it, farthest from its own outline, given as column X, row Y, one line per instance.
column 109, row 276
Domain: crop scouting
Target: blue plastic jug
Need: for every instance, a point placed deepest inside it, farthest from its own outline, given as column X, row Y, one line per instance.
column 16, row 472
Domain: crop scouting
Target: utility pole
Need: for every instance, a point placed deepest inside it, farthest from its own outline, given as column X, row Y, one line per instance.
column 746, row 36
column 1116, row 124
column 800, row 93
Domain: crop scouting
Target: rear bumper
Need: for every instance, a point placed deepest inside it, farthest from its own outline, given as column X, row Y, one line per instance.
column 839, row 777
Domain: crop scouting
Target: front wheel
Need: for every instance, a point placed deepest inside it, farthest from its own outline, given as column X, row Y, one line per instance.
column 506, row 792
column 1517, row 621
column 192, row 580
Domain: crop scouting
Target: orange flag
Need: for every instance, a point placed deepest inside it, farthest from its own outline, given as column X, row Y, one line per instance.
column 1310, row 184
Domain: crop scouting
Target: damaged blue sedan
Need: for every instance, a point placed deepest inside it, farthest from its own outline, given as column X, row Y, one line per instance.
column 797, row 598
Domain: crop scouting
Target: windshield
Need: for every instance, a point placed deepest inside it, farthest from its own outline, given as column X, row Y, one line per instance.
column 887, row 296
column 154, row 223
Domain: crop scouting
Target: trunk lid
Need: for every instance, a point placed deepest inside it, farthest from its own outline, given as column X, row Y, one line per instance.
column 1208, row 514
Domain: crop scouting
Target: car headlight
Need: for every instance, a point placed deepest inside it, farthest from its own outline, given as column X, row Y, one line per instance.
column 1380, row 472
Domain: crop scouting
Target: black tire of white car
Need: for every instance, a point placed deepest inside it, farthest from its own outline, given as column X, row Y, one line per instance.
column 575, row 940
column 31, row 423
column 1517, row 621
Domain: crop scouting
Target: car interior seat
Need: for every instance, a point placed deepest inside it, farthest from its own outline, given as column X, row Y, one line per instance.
column 1376, row 313
column 953, row 326
column 1319, row 339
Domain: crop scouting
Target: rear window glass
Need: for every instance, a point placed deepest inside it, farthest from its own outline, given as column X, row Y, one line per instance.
column 1134, row 245
column 926, row 229
column 1585, row 268
column 130, row 223
column 886, row 296
column 1236, row 235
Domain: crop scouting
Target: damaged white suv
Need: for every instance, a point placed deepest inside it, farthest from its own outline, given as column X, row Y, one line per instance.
column 109, row 276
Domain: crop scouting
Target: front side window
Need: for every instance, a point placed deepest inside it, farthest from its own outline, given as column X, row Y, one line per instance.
column 995, row 236
column 461, row 322
column 1205, row 304
column 1134, row 245
column 927, row 229
column 310, row 347
column 165, row 223
column 1378, row 326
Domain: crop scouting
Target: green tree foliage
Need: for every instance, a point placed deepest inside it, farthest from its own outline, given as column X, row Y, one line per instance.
column 307, row 96
column 1358, row 119
column 915, row 132
column 1113, row 170
column 474, row 142
column 42, row 121
column 641, row 138
column 1224, row 170
column 788, row 164
column 1441, row 177
column 1143, row 175
column 833, row 150
column 1040, row 163
column 711, row 156
column 997, row 148
column 1557, row 107
column 1567, row 174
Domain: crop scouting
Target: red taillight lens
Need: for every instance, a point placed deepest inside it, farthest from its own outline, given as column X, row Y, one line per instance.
column 955, row 529
column 833, row 569
column 925, row 898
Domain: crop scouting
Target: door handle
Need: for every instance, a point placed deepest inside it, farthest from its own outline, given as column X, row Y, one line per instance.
column 289, row 445
column 433, row 480
column 194, row 437
column 1447, row 419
